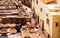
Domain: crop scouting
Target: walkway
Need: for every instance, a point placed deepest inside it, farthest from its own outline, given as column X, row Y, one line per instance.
column 41, row 33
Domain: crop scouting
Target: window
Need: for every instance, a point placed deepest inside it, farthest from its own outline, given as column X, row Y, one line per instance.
column 38, row 19
column 57, row 24
column 47, row 15
column 48, row 36
column 47, row 21
column 41, row 9
column 37, row 1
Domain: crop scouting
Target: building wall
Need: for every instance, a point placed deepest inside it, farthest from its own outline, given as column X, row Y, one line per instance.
column 48, row 1
column 41, row 11
column 50, row 27
column 58, row 1
column 35, row 6
column 47, row 22
column 56, row 26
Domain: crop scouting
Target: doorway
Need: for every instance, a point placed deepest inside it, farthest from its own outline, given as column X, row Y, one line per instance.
column 42, row 25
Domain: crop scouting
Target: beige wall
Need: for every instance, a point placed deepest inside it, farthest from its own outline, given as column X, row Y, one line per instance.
column 58, row 1
column 33, row 4
column 48, row 27
column 37, row 8
column 42, row 16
